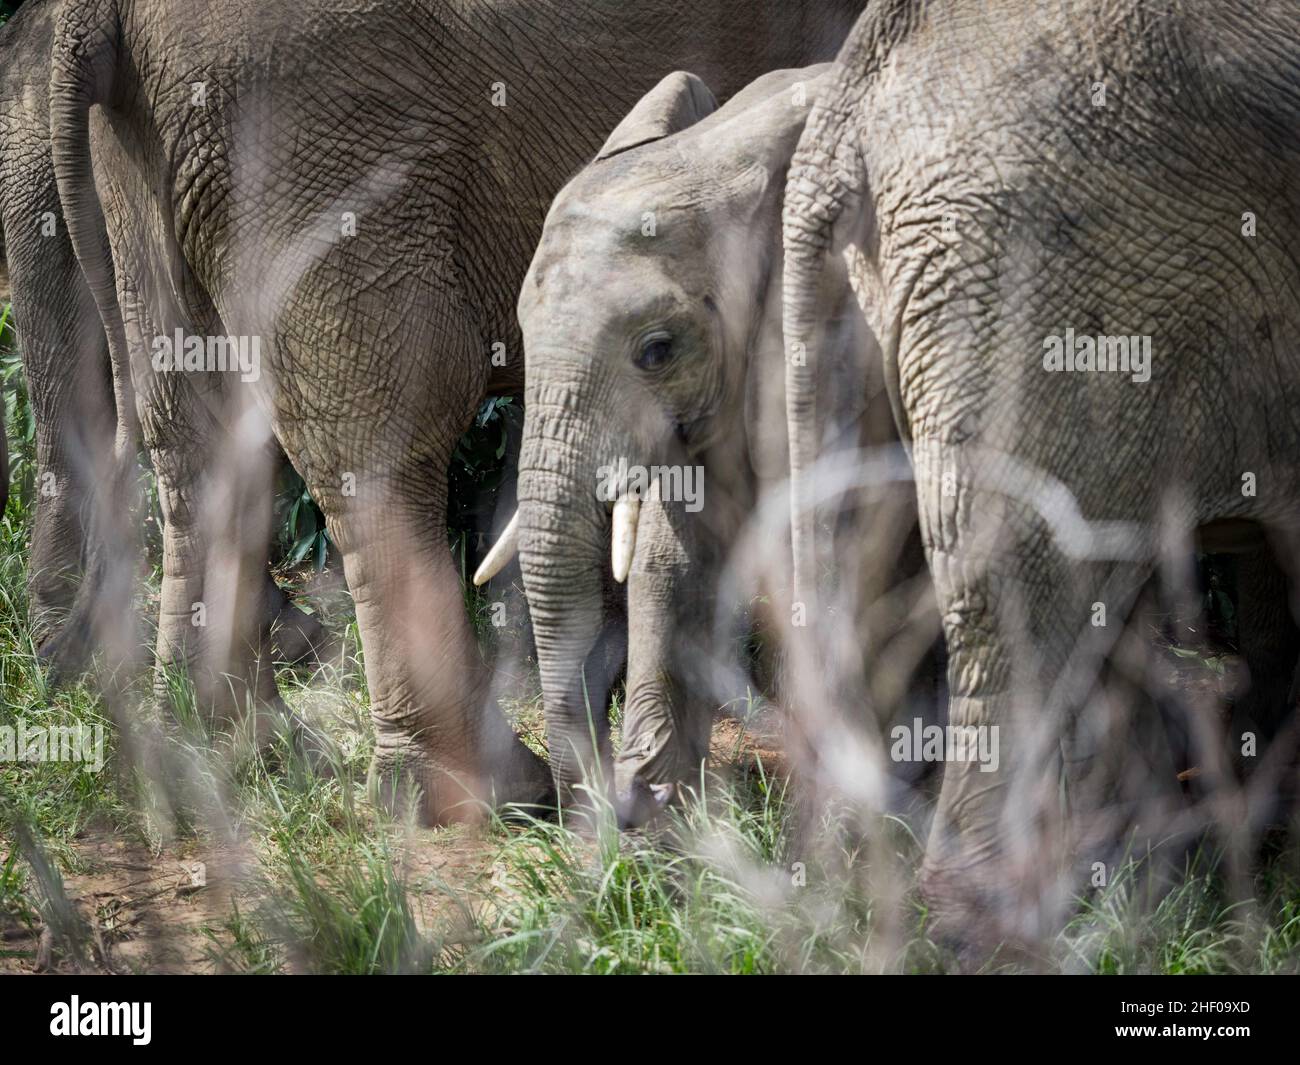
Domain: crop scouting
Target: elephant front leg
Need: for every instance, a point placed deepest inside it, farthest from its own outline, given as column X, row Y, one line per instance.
column 667, row 712
column 442, row 746
column 1027, row 629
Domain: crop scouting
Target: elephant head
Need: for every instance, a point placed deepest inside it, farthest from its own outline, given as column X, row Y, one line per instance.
column 651, row 319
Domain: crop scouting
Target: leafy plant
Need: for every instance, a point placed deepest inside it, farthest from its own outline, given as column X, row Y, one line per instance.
column 19, row 423
column 478, row 465
column 301, row 523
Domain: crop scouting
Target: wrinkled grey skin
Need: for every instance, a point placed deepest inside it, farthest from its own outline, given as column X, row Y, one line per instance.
column 86, row 431
column 708, row 282
column 65, row 351
column 1116, row 219
column 376, row 347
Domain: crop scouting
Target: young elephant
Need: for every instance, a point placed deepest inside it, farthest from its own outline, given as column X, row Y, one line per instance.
column 651, row 319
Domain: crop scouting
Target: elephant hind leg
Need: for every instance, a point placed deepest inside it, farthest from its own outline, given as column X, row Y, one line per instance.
column 212, row 627
column 86, row 450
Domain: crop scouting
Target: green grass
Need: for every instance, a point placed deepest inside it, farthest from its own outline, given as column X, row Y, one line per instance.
column 333, row 885
column 1188, row 926
column 62, row 797
column 353, row 918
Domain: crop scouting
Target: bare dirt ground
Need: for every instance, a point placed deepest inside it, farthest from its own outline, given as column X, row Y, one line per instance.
column 146, row 912
column 143, row 911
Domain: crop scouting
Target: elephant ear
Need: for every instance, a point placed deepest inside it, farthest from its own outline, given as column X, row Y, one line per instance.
column 677, row 102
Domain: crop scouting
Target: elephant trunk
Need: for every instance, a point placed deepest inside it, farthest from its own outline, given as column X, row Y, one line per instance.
column 564, row 545
column 666, row 712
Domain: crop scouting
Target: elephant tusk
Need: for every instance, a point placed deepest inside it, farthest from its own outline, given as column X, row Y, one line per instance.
column 500, row 555
column 627, row 511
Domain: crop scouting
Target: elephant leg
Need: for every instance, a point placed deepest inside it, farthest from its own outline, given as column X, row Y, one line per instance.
column 214, row 457
column 294, row 635
column 1270, row 644
column 667, row 715
column 73, row 407
column 66, row 361
column 100, row 441
column 93, row 436
column 371, row 424
column 441, row 744
column 1264, row 730
column 212, row 625
column 1025, row 650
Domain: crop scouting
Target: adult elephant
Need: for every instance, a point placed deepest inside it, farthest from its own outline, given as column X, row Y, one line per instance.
column 657, row 350
column 1077, row 231
column 357, row 188
column 87, row 435
column 65, row 352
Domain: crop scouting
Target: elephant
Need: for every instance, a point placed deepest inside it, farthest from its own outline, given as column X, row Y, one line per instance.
column 65, row 352
column 87, row 435
column 354, row 188
column 657, row 346
column 1075, row 232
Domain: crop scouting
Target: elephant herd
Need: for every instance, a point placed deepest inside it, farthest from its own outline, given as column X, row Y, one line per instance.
column 936, row 331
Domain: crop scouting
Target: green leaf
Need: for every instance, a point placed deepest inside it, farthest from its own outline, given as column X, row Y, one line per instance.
column 300, row 550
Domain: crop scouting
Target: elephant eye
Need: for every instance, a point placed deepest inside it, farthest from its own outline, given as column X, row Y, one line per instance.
column 655, row 351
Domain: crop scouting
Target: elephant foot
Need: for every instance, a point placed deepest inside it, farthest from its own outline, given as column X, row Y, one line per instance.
column 524, row 789
column 295, row 635
column 982, row 918
column 292, row 634
column 65, row 653
column 44, row 627
column 409, row 783
column 641, row 803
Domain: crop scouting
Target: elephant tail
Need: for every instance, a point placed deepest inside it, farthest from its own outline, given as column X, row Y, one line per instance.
column 4, row 438
column 4, row 463
column 825, row 182
column 825, row 195
column 82, row 73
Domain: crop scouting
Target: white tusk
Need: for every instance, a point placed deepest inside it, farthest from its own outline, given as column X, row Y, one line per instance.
column 502, row 552
column 627, row 511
